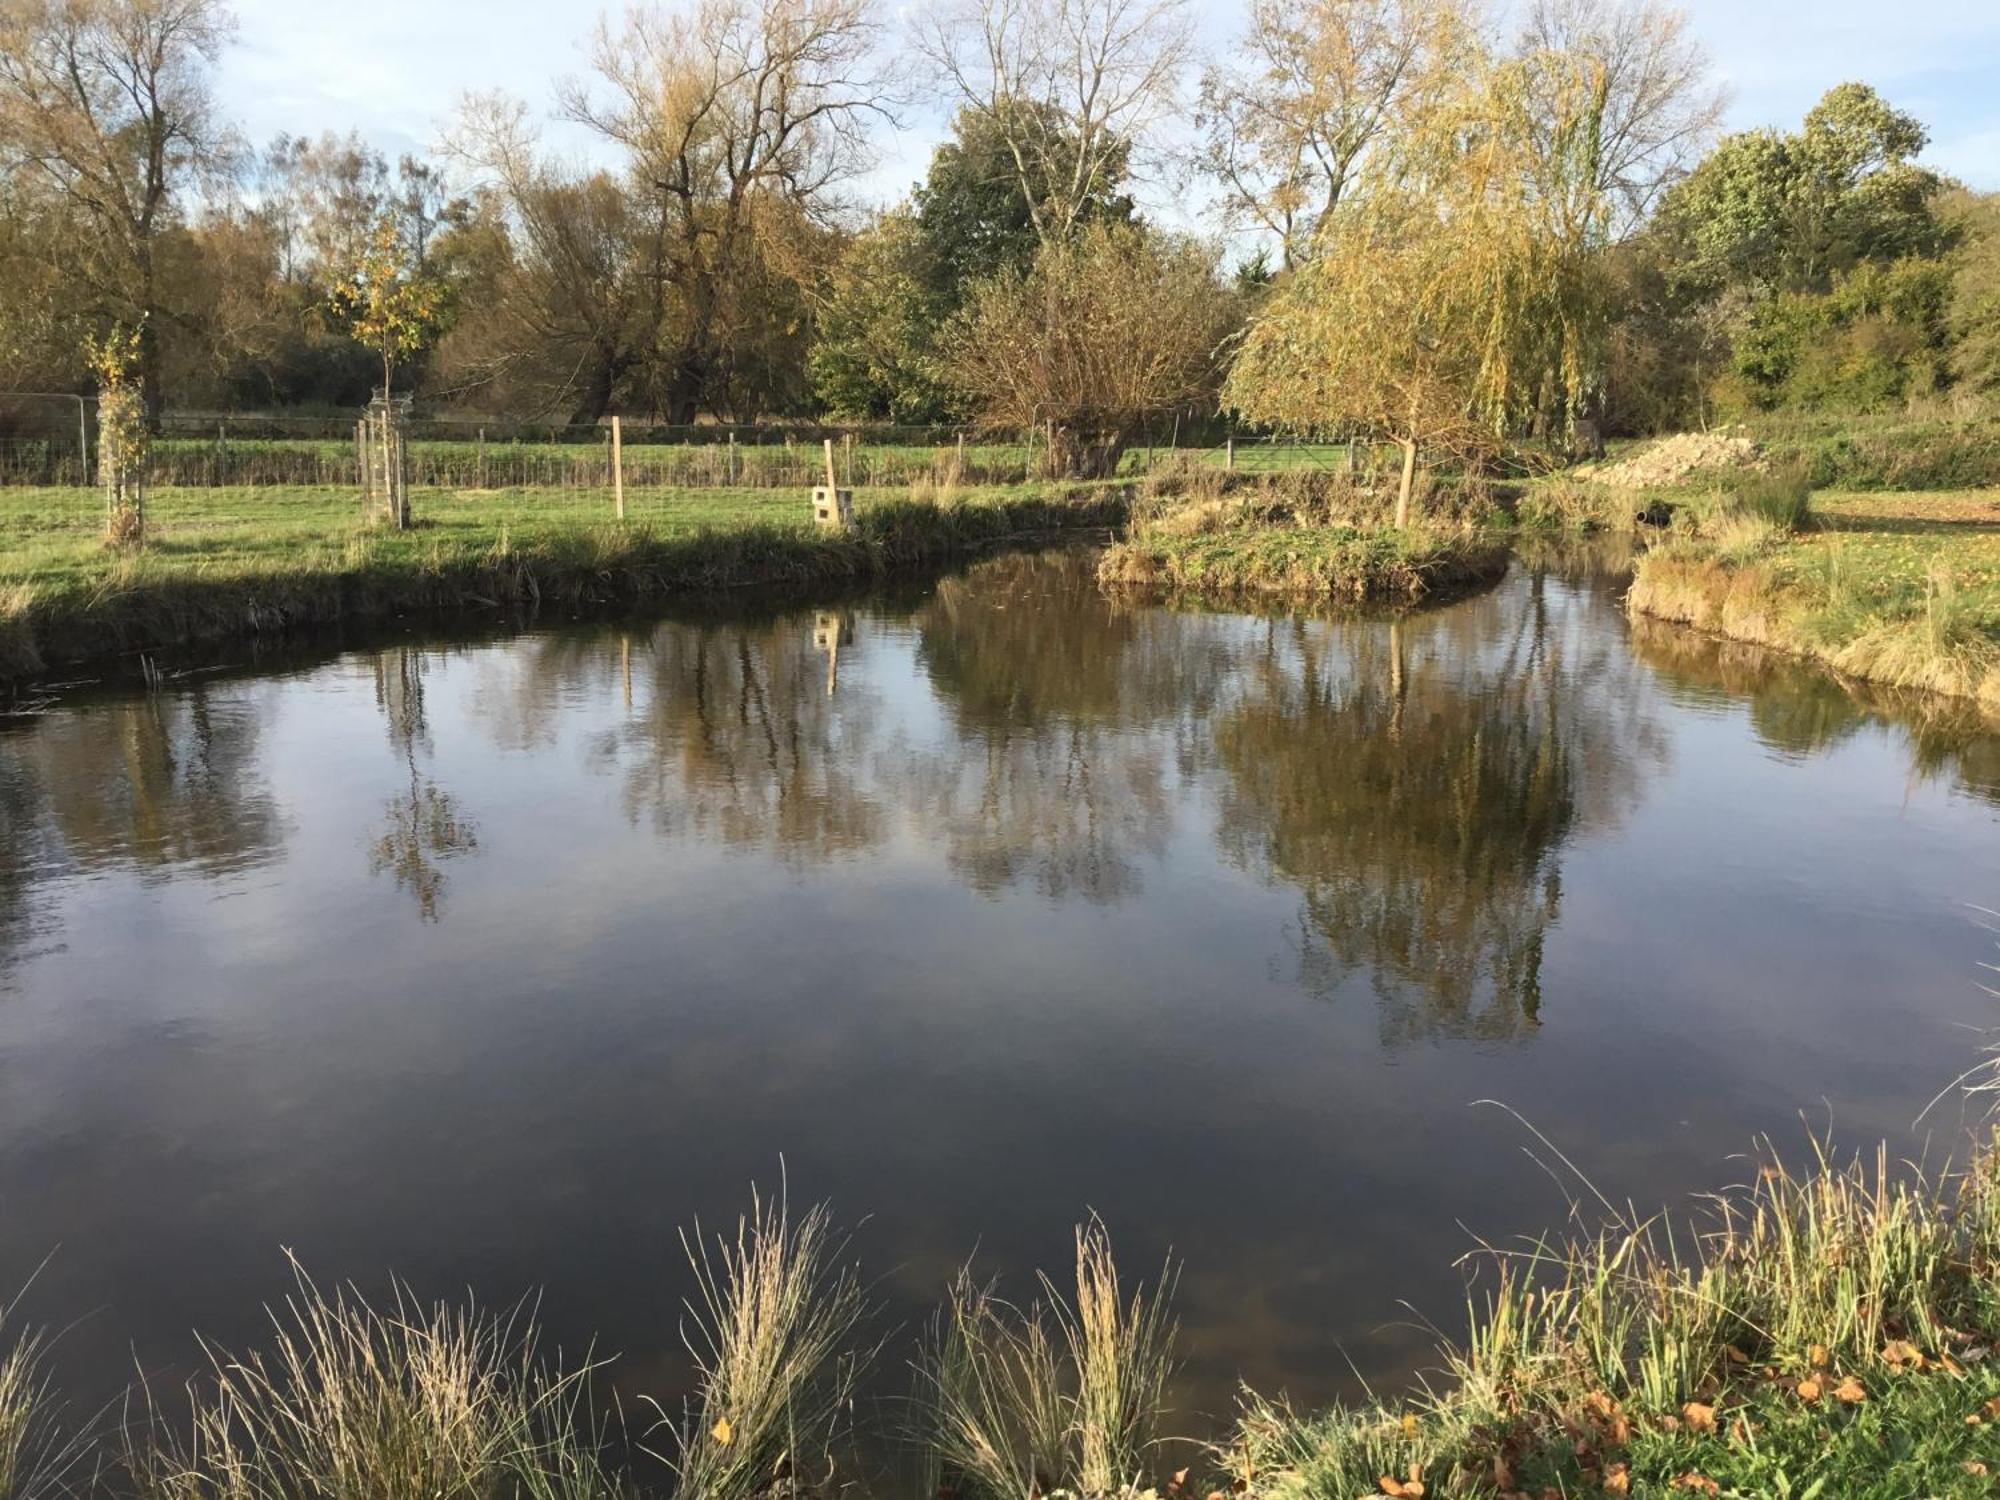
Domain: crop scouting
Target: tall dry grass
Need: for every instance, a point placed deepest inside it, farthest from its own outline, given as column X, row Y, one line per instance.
column 773, row 1339
column 355, row 1402
column 1064, row 1395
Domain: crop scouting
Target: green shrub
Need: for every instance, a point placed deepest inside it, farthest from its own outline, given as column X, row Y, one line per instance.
column 1781, row 497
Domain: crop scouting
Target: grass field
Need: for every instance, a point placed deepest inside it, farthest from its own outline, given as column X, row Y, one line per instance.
column 230, row 561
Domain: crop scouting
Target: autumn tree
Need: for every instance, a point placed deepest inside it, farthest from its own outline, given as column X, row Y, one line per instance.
column 1108, row 329
column 1289, row 122
column 1391, row 331
column 738, row 120
column 1069, row 89
column 389, row 305
column 109, row 102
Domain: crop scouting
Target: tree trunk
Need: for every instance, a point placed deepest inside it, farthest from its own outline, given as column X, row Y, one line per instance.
column 1409, row 446
column 1076, row 455
column 152, row 395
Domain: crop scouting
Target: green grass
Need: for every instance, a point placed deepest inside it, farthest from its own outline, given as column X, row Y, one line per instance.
column 1902, row 590
column 1822, row 1333
column 1336, row 563
column 222, row 562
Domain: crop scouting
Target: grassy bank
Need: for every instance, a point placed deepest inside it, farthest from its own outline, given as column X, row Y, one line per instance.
column 1302, row 535
column 1830, row 1331
column 1824, row 1333
column 1340, row 563
column 1900, row 590
column 268, row 561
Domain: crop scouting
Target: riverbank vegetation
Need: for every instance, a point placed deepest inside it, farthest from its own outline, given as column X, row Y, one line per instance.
column 1898, row 590
column 1302, row 536
column 1825, row 1329
column 233, row 564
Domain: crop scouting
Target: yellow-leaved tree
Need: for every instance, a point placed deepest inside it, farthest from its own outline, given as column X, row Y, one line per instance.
column 1397, row 329
column 387, row 302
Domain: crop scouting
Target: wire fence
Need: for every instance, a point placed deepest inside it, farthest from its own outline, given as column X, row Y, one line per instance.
column 239, row 479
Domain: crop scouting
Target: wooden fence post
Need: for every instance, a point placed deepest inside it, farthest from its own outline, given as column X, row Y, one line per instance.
column 849, row 439
column 618, row 468
column 1229, row 454
column 482, row 459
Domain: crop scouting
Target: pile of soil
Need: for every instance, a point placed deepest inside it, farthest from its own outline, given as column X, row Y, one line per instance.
column 1674, row 460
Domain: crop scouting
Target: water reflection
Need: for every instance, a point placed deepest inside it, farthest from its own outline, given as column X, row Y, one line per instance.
column 1416, row 782
column 423, row 825
column 733, row 736
column 980, row 908
column 154, row 784
column 1802, row 711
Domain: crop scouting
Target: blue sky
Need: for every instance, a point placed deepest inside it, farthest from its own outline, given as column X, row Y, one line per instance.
column 393, row 69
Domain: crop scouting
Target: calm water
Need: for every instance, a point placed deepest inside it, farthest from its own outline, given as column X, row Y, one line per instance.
column 494, row 964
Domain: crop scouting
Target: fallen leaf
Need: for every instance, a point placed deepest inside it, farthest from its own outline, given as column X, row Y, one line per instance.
column 1409, row 1425
column 1973, row 1466
column 1850, row 1390
column 722, row 1432
column 1179, row 1479
column 1397, row 1489
column 1618, row 1480
column 1699, row 1416
column 1736, row 1355
column 1902, row 1352
column 1809, row 1389
column 1694, row 1481
column 1817, row 1356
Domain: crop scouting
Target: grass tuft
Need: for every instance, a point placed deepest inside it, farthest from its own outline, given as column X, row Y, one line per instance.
column 355, row 1401
column 1063, row 1396
column 772, row 1343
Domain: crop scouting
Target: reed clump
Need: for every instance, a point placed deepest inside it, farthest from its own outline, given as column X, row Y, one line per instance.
column 773, row 1341
column 38, row 1459
column 351, row 1400
column 1063, row 1396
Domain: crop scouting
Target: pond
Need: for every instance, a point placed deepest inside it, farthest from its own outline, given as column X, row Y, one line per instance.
column 971, row 909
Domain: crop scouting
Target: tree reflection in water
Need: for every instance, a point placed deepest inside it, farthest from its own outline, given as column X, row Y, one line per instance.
column 1058, row 774
column 1417, row 780
column 1801, row 711
column 158, row 784
column 734, row 736
column 422, row 826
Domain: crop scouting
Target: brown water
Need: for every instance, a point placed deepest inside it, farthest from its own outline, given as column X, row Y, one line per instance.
column 494, row 964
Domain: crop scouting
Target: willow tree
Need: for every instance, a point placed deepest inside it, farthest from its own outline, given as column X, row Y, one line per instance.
column 1399, row 329
column 1317, row 89
column 1106, row 330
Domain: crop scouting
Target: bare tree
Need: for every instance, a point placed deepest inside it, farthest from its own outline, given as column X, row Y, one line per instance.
column 1107, row 330
column 561, row 323
column 723, row 112
column 1071, row 86
column 109, row 100
column 1288, row 125
column 1653, row 104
